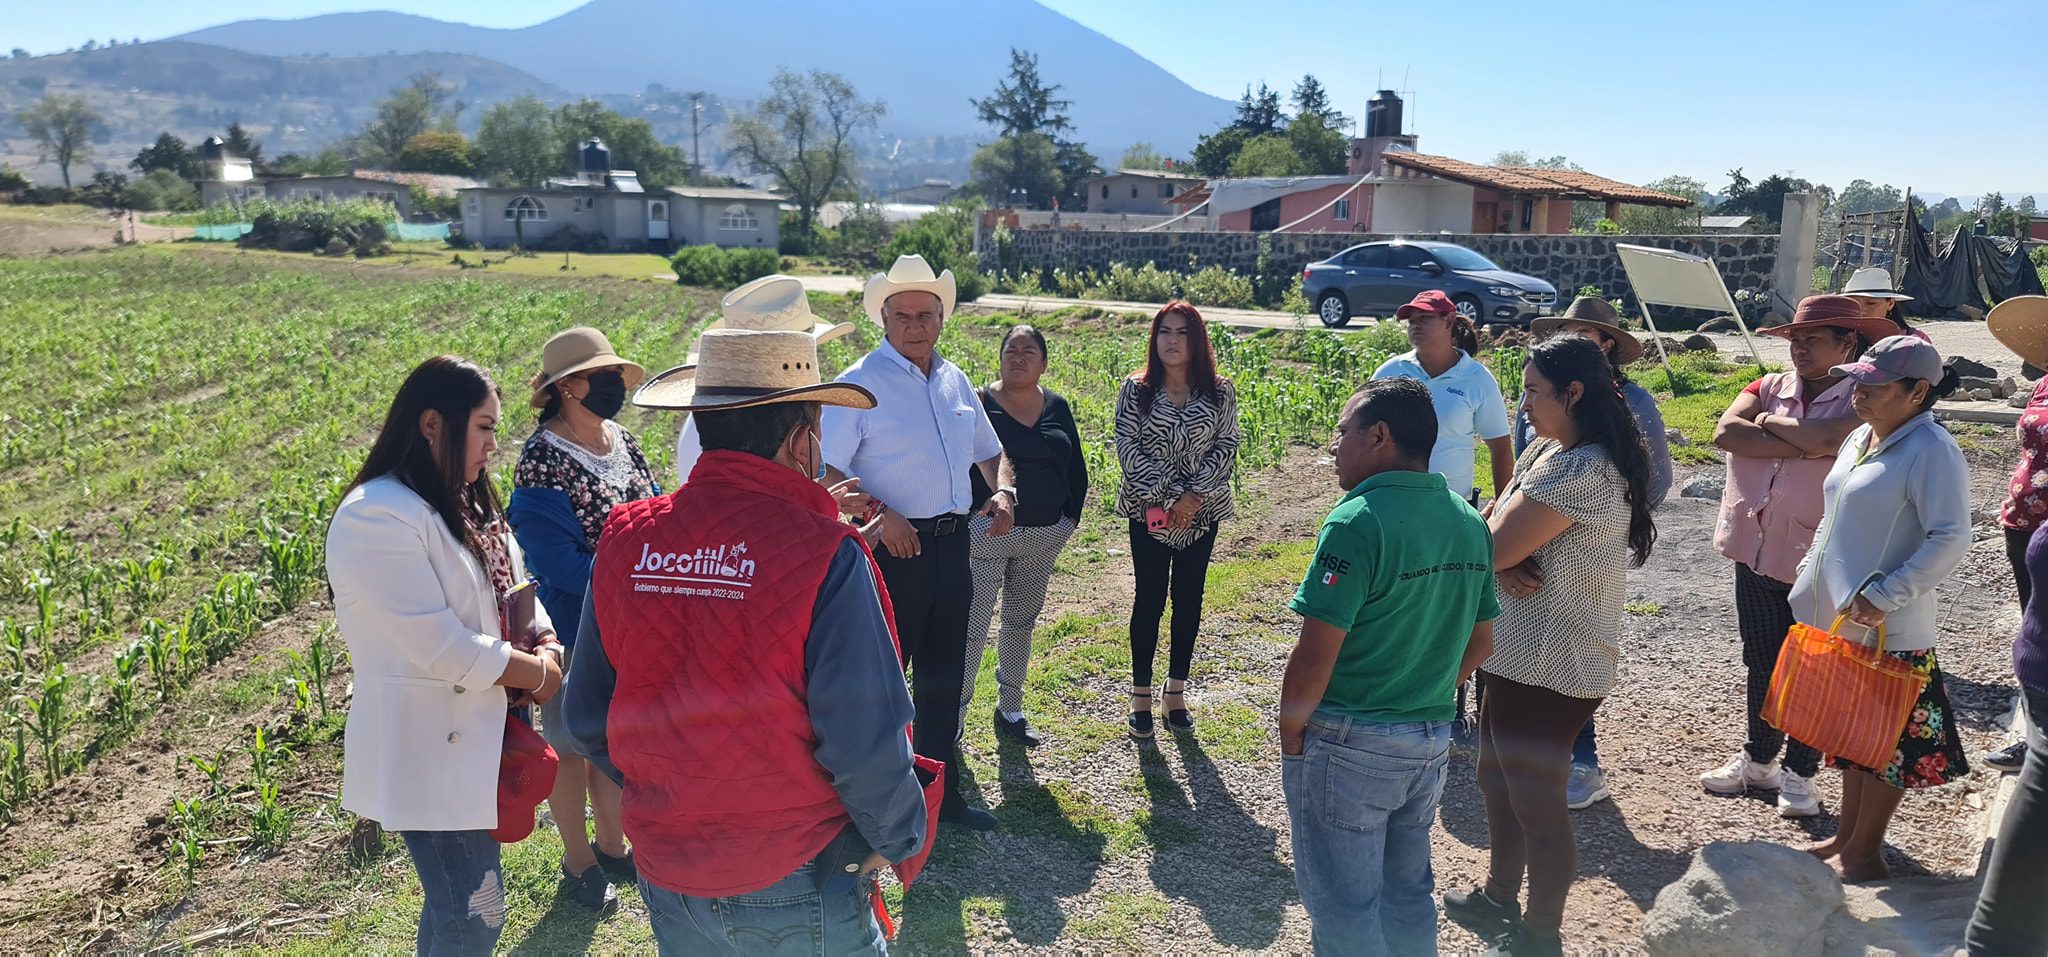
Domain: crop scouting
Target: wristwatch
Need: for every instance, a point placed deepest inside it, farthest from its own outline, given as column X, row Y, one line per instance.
column 1011, row 491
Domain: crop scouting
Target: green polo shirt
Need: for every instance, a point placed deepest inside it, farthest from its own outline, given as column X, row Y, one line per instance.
column 1406, row 569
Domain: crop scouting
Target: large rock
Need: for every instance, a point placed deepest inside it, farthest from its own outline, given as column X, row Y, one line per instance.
column 1972, row 369
column 1708, row 487
column 1719, row 324
column 1674, row 437
column 297, row 241
column 1745, row 898
column 1699, row 343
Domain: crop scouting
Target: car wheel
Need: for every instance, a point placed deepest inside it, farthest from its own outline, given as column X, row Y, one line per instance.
column 1470, row 308
column 1333, row 310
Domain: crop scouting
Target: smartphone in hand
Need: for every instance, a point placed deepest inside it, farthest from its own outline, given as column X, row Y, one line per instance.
column 1156, row 518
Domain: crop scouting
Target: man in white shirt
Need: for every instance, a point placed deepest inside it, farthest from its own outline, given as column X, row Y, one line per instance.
column 911, row 454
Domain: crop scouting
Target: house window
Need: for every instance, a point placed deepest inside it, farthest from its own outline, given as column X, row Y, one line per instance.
column 1134, row 192
column 1165, row 190
column 381, row 197
column 738, row 217
column 1105, row 191
column 1266, row 216
column 1342, row 212
column 584, row 203
column 474, row 207
column 526, row 208
column 312, row 194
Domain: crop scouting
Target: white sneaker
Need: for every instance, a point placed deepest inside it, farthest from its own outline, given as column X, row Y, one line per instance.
column 1740, row 774
column 1796, row 797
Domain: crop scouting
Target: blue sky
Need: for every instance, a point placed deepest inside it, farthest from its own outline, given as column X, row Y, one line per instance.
column 1943, row 96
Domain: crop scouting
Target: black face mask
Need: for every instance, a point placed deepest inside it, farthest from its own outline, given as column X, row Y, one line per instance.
column 607, row 394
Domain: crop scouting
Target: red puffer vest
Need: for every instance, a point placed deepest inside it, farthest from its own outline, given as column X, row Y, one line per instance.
column 704, row 599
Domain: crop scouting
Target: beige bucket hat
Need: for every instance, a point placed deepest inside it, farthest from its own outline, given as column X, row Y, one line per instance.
column 908, row 274
column 743, row 368
column 2021, row 324
column 775, row 304
column 1594, row 311
column 578, row 350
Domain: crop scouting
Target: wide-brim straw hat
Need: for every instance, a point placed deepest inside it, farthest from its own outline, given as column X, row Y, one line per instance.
column 908, row 274
column 578, row 350
column 775, row 304
column 2021, row 324
column 1874, row 282
column 1840, row 312
column 1594, row 311
column 742, row 369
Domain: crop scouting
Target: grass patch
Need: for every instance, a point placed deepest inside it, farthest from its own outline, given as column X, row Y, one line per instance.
column 434, row 255
column 1692, row 397
column 1643, row 608
column 1266, row 578
column 1124, row 919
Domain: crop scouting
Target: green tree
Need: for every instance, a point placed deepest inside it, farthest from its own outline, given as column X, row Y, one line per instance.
column 167, row 153
column 1215, row 152
column 1259, row 113
column 1270, row 155
column 632, row 143
column 1658, row 220
column 1522, row 158
column 423, row 104
column 1310, row 99
column 1028, row 162
column 1990, row 204
column 62, row 126
column 1023, row 109
column 802, row 136
column 161, row 189
column 517, row 145
column 437, row 152
column 238, row 142
column 327, row 162
column 1861, row 196
column 1765, row 199
column 19, row 54
column 1073, row 164
column 2026, row 205
column 12, row 181
column 1324, row 151
column 1141, row 155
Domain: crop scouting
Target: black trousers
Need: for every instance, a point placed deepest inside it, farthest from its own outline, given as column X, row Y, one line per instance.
column 930, row 594
column 1763, row 615
column 2016, row 553
column 1162, row 572
column 2010, row 918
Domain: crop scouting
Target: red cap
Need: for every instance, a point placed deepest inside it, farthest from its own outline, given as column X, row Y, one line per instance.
column 1432, row 301
column 526, row 775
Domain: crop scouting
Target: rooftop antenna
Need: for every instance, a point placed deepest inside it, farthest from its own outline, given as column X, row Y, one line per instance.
column 1408, row 93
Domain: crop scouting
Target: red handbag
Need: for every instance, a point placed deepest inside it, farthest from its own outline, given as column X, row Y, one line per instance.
column 526, row 775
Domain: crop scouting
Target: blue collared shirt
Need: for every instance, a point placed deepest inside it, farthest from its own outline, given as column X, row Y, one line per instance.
column 912, row 450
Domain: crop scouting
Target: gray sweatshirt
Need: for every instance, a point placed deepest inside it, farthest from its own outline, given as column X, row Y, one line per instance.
column 1901, row 512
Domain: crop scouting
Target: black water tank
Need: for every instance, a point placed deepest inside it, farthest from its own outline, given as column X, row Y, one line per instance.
column 596, row 158
column 213, row 149
column 1383, row 114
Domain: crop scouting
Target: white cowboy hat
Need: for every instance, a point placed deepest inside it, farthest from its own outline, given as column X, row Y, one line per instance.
column 775, row 304
column 1874, row 283
column 743, row 368
column 908, row 274
column 577, row 350
column 2021, row 324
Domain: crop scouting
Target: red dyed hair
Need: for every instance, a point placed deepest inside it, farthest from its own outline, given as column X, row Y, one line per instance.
column 1202, row 376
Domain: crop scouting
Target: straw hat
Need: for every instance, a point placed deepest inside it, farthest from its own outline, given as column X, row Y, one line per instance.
column 1594, row 311
column 908, row 274
column 775, row 304
column 1840, row 312
column 741, row 369
column 578, row 350
column 2021, row 324
column 1872, row 282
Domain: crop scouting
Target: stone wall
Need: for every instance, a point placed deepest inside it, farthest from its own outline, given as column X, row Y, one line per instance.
column 1567, row 262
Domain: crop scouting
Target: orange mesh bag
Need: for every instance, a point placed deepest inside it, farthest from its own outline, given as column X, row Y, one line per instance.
column 1842, row 698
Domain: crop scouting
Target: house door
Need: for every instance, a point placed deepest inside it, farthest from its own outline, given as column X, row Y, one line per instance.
column 657, row 219
column 1266, row 216
column 1484, row 216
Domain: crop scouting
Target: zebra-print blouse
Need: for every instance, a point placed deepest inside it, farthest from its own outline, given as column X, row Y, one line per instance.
column 1176, row 449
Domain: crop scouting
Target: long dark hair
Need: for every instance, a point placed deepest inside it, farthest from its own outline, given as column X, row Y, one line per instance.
column 1604, row 420
column 1202, row 377
column 1464, row 334
column 454, row 387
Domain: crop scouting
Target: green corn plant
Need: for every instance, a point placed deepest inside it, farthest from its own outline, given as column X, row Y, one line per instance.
column 215, row 769
column 14, row 756
column 267, row 760
column 291, row 563
column 315, row 668
column 272, row 820
column 127, row 667
column 157, row 643
column 15, row 637
column 187, row 848
column 49, row 718
column 191, row 654
column 43, row 592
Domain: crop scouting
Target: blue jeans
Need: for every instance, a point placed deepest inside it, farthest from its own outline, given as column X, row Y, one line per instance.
column 1586, row 748
column 463, row 890
column 1362, row 798
column 790, row 917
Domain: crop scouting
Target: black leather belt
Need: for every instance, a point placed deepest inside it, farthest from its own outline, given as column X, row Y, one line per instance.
column 940, row 526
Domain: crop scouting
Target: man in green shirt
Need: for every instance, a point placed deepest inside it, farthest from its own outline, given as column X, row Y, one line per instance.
column 1397, row 609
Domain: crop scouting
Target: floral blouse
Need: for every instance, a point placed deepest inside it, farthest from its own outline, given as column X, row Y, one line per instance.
column 2026, row 503
column 595, row 484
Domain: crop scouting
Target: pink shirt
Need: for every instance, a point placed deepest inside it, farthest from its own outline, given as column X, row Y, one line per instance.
column 1770, row 507
column 2026, row 503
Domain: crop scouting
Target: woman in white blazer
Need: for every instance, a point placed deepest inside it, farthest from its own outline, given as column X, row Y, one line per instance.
column 418, row 556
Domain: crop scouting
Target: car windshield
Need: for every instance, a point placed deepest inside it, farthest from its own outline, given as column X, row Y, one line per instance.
column 1462, row 259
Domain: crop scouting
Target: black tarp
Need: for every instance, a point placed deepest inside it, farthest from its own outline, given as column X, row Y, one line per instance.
column 1974, row 271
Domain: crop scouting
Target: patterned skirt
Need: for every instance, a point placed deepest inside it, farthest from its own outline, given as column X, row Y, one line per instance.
column 1930, row 753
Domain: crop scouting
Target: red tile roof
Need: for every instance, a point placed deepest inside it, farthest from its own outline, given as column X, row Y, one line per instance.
column 1569, row 184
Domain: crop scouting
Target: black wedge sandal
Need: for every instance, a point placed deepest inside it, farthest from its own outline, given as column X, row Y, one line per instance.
column 1141, row 721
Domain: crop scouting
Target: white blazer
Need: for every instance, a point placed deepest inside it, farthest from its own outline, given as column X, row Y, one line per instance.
column 427, row 725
